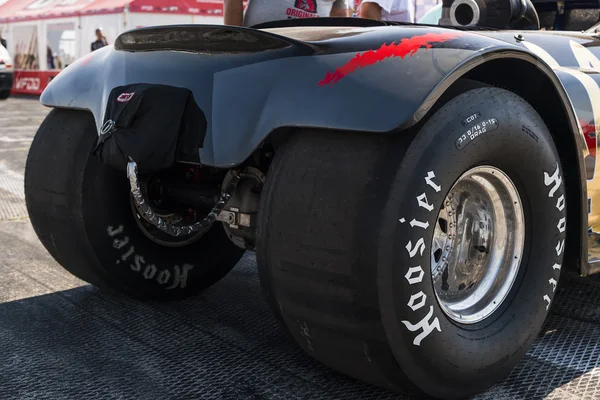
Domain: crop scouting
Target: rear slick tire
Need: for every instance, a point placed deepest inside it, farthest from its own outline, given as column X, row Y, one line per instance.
column 349, row 245
column 81, row 212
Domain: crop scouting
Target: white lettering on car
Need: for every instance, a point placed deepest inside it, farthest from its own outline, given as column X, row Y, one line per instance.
column 30, row 84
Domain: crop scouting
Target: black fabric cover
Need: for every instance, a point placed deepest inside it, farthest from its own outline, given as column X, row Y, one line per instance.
column 155, row 125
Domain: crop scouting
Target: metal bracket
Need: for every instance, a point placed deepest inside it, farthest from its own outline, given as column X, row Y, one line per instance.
column 234, row 218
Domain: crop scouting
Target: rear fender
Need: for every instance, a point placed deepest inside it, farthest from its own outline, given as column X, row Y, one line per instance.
column 250, row 82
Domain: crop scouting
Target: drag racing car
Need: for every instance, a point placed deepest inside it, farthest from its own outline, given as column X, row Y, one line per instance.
column 412, row 192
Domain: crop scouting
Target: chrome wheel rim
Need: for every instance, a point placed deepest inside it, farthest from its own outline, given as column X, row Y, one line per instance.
column 477, row 245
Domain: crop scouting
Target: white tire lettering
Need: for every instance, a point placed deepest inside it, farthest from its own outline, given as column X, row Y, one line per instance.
column 422, row 201
column 423, row 325
column 181, row 276
column 554, row 179
column 553, row 282
column 163, row 277
column 113, row 232
column 428, row 180
column 137, row 263
column 412, row 278
column 128, row 254
column 414, row 275
column 560, row 203
column 423, row 225
column 150, row 271
column 419, row 246
column 117, row 244
column 547, row 300
column 562, row 223
column 559, row 247
column 417, row 300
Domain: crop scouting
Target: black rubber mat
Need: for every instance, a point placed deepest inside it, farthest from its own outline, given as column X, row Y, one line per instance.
column 224, row 344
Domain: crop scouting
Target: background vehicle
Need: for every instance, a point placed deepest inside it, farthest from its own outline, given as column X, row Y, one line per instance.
column 6, row 73
column 415, row 243
column 570, row 15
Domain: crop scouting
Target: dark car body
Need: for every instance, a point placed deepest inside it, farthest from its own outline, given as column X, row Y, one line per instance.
column 251, row 83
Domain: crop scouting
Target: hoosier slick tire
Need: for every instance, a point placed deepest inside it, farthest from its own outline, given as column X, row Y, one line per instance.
column 81, row 212
column 434, row 280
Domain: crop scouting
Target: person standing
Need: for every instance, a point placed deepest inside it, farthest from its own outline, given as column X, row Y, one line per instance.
column 259, row 11
column 100, row 40
column 388, row 10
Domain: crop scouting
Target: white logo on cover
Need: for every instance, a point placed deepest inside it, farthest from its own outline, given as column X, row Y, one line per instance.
column 125, row 97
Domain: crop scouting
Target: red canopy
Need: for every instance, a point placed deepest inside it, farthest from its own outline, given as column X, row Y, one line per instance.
column 21, row 10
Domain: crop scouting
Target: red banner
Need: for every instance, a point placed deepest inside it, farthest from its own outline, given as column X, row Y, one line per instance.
column 32, row 82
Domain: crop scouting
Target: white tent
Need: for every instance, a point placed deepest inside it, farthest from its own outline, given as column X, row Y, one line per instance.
column 44, row 36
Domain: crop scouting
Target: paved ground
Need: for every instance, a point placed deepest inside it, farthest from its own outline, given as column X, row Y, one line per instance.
column 61, row 338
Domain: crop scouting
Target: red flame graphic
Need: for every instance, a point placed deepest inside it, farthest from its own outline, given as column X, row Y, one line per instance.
column 408, row 46
column 590, row 141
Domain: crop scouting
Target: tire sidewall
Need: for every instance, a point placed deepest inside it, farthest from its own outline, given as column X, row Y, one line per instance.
column 467, row 358
column 128, row 258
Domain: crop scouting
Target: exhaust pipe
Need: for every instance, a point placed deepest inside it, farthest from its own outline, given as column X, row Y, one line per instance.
column 497, row 14
column 467, row 13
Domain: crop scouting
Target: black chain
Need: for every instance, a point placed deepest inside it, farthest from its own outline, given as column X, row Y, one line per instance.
column 150, row 215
